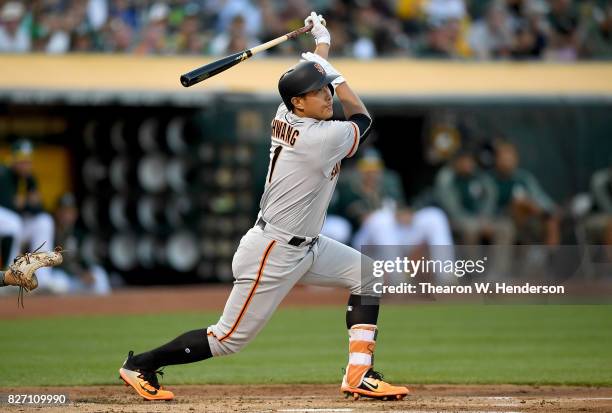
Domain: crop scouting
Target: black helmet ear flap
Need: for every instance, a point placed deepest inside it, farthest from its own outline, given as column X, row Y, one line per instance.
column 331, row 89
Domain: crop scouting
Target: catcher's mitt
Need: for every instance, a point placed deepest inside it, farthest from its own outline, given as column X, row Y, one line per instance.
column 21, row 271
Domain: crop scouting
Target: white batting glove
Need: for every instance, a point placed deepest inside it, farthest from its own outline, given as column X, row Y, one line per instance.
column 319, row 31
column 329, row 69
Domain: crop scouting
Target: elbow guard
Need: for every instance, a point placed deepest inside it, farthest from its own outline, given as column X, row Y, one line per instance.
column 364, row 123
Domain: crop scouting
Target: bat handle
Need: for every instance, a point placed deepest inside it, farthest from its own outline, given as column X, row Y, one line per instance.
column 281, row 39
column 299, row 31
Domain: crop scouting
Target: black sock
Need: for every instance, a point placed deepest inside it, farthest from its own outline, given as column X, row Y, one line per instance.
column 362, row 309
column 186, row 348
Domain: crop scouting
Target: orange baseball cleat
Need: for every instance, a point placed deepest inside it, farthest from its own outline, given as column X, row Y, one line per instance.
column 143, row 381
column 373, row 386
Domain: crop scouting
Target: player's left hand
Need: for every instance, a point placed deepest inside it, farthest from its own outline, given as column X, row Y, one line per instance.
column 329, row 69
column 319, row 31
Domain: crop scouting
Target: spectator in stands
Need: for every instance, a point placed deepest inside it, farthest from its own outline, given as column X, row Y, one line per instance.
column 377, row 33
column 528, row 23
column 366, row 25
column 278, row 18
column 97, row 13
column 234, row 40
column 599, row 224
column 82, row 41
column 339, row 30
column 74, row 275
column 446, row 36
column 189, row 38
column 61, row 26
column 227, row 10
column 21, row 213
column 154, row 35
column 491, row 37
column 444, row 10
column 14, row 35
column 528, row 43
column 272, row 25
column 118, row 36
column 392, row 41
column 289, row 12
column 598, row 38
column 563, row 21
column 522, row 10
column 438, row 42
column 520, row 196
column 126, row 12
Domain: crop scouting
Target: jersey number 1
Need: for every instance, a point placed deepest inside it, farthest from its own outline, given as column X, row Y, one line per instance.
column 277, row 152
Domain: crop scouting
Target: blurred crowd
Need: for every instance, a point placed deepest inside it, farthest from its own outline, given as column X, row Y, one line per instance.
column 560, row 30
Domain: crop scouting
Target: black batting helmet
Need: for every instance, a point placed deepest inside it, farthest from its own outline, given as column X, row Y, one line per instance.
column 302, row 78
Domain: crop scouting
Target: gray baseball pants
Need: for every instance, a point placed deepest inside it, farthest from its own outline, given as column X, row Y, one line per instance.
column 266, row 267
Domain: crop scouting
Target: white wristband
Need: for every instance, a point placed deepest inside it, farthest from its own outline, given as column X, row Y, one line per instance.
column 324, row 39
column 338, row 81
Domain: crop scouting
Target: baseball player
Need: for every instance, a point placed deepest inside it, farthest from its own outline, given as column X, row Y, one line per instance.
column 284, row 245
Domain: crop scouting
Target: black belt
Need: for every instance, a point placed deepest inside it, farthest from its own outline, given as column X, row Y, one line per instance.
column 295, row 241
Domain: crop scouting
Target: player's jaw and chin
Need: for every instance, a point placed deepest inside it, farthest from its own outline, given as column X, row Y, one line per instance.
column 317, row 104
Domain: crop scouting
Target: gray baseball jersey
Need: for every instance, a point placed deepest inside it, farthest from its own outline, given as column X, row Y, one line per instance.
column 305, row 156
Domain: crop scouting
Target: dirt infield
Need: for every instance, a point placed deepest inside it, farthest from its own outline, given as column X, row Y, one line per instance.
column 325, row 398
column 200, row 298
column 138, row 300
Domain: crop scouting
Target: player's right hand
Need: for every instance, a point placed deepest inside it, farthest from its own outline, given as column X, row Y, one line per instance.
column 329, row 69
column 319, row 31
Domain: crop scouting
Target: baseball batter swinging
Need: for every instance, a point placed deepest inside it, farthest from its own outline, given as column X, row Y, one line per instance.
column 284, row 245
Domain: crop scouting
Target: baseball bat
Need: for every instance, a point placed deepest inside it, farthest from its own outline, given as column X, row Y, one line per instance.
column 207, row 71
